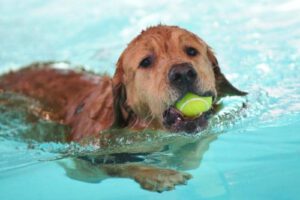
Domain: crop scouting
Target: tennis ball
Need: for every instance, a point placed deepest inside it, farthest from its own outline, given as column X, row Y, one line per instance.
column 192, row 105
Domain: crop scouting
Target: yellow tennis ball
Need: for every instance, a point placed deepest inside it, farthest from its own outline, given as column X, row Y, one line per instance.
column 192, row 105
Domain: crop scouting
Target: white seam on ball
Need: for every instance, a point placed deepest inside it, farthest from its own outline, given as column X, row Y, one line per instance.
column 195, row 99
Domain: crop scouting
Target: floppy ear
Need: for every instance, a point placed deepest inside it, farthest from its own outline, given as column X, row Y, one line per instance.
column 223, row 86
column 122, row 110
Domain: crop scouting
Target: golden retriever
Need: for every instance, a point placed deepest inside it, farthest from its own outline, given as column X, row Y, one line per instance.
column 157, row 68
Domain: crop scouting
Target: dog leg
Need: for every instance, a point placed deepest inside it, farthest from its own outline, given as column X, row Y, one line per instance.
column 149, row 177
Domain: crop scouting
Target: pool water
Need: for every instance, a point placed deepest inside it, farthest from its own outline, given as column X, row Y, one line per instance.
column 249, row 154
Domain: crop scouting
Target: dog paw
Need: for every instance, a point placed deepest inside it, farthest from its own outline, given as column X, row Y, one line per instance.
column 160, row 180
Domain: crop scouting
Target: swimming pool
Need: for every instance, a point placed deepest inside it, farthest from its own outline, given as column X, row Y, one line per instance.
column 258, row 46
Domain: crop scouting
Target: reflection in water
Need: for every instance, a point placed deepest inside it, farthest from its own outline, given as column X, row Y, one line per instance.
column 156, row 170
column 156, row 160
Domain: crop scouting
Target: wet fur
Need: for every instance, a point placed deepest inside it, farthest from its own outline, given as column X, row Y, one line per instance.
column 89, row 103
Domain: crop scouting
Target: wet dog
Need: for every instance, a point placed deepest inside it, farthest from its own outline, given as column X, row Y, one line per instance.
column 157, row 68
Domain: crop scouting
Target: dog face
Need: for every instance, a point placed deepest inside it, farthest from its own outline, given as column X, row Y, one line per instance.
column 159, row 67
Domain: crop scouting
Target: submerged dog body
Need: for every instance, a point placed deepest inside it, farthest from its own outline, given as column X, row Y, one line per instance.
column 156, row 69
column 81, row 100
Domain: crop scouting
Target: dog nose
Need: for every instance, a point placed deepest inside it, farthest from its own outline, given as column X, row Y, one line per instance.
column 182, row 75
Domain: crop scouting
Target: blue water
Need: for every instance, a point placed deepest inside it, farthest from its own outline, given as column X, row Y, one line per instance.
column 256, row 154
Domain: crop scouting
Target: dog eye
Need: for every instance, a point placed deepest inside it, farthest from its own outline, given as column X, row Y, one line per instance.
column 191, row 51
column 146, row 62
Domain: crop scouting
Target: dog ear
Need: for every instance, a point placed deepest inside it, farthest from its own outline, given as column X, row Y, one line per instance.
column 122, row 110
column 223, row 86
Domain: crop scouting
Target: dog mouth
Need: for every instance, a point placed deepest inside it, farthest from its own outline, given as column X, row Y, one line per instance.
column 175, row 121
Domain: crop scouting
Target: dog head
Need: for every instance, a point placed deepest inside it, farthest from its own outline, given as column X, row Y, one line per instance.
column 159, row 67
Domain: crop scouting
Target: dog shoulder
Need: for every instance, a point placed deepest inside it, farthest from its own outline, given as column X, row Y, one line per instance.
column 93, row 112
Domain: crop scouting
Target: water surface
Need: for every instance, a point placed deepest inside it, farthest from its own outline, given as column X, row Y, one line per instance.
column 255, row 156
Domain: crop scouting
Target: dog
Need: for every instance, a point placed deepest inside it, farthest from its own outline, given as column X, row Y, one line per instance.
column 156, row 69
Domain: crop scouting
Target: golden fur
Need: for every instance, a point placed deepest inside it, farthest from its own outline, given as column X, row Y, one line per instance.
column 135, row 97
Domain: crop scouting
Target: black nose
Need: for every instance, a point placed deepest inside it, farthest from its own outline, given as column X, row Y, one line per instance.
column 182, row 75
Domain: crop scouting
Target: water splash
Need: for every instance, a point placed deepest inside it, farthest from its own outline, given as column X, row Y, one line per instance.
column 23, row 133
